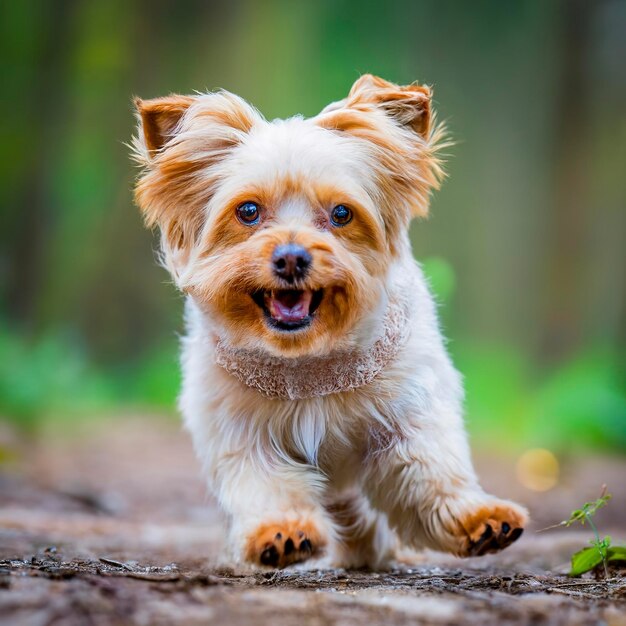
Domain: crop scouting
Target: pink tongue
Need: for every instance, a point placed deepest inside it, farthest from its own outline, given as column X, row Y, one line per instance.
column 289, row 306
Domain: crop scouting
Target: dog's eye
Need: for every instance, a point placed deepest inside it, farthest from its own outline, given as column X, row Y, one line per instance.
column 340, row 215
column 248, row 213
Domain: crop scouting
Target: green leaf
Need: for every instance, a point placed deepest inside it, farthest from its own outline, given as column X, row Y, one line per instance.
column 589, row 509
column 584, row 561
column 601, row 544
column 616, row 553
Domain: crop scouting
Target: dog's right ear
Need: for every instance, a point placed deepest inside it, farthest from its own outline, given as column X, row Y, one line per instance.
column 180, row 142
column 160, row 117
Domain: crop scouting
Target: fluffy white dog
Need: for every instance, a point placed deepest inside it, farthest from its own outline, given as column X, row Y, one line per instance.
column 317, row 388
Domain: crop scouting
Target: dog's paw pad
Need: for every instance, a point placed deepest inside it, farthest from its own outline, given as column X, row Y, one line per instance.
column 279, row 545
column 492, row 528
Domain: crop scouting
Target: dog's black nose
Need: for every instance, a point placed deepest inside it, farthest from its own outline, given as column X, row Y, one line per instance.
column 291, row 261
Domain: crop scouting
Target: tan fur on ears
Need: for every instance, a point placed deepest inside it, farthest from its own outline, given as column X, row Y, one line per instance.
column 177, row 145
column 159, row 118
column 398, row 121
column 409, row 105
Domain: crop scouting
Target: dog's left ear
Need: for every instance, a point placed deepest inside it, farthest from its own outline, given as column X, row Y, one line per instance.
column 408, row 105
column 398, row 122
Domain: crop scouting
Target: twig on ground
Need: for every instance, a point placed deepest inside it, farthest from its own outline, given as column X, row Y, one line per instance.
column 116, row 564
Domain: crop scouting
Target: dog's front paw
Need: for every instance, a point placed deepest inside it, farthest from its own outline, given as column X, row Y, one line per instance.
column 471, row 526
column 490, row 528
column 281, row 544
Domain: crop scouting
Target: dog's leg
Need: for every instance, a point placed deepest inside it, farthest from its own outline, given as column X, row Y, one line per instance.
column 364, row 538
column 424, row 480
column 274, row 512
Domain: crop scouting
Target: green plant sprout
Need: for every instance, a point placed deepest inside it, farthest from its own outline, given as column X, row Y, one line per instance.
column 601, row 550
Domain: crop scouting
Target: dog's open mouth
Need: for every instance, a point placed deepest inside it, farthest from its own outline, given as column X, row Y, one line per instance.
column 288, row 309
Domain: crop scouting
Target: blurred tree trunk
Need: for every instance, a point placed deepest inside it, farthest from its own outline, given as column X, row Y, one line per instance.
column 36, row 113
column 565, row 259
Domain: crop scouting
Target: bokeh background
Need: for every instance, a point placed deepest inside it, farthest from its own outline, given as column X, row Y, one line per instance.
column 525, row 245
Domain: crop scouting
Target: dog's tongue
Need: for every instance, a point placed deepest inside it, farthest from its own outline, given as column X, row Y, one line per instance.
column 289, row 305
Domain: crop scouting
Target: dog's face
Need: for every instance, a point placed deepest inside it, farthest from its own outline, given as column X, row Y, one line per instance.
column 284, row 231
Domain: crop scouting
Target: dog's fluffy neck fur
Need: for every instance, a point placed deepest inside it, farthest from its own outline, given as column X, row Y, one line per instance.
column 320, row 375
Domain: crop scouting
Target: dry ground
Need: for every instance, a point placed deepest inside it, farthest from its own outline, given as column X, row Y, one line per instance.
column 110, row 524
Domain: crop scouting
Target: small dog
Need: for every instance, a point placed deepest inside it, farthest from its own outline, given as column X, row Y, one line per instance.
column 321, row 400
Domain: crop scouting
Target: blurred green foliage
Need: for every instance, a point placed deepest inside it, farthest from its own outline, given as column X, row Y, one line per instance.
column 510, row 404
column 525, row 247
column 53, row 378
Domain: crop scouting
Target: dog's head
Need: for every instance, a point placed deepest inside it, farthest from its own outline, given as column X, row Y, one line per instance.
column 284, row 231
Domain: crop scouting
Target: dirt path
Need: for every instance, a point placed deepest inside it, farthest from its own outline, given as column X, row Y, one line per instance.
column 112, row 526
